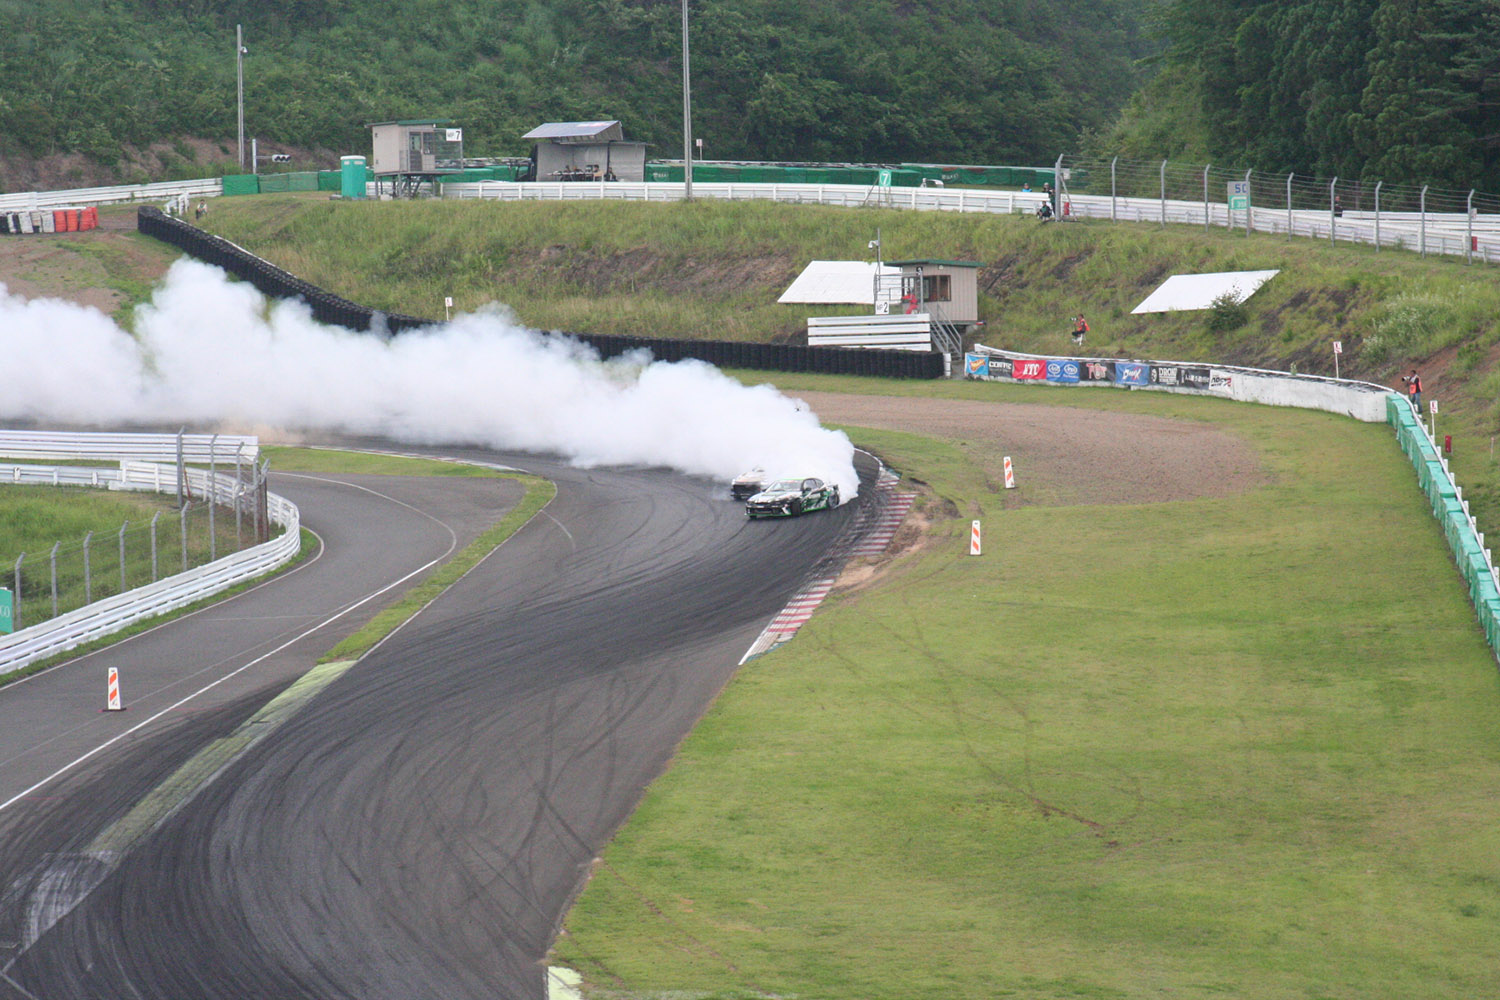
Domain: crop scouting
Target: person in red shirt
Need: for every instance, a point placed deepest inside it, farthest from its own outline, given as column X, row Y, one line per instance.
column 1080, row 329
column 1414, row 389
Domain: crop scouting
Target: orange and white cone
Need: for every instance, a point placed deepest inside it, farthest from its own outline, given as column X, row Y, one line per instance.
column 1010, row 474
column 114, row 691
column 974, row 539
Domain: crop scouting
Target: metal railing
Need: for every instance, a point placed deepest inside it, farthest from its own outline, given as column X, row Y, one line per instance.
column 102, row 617
column 1475, row 237
column 32, row 201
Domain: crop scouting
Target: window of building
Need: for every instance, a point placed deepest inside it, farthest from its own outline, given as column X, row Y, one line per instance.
column 937, row 288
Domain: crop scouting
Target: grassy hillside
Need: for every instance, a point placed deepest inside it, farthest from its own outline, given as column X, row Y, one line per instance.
column 714, row 270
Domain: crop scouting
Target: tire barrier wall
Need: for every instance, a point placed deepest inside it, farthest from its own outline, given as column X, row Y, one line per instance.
column 331, row 309
column 57, row 220
column 267, row 277
column 1475, row 563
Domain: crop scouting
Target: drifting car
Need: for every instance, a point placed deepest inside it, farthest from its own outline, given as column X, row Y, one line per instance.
column 790, row 497
column 747, row 485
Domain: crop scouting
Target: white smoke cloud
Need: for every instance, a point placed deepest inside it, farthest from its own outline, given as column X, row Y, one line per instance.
column 211, row 351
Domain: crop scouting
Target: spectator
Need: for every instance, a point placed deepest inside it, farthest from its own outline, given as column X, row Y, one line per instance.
column 1026, row 187
column 1338, row 207
column 1080, row 329
column 1414, row 390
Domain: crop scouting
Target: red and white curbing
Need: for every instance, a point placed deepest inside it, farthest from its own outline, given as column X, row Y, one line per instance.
column 891, row 508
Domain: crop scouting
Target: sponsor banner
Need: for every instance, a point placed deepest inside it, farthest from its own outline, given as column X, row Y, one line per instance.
column 1180, row 376
column 1028, row 368
column 1132, row 373
column 1222, row 381
column 1062, row 370
column 1096, row 371
column 986, row 366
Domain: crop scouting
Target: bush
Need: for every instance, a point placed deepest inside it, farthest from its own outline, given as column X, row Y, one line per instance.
column 1227, row 313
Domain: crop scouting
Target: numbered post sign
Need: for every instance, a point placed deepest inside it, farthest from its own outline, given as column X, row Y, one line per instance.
column 7, row 621
column 1239, row 195
column 1338, row 347
column 884, row 178
column 1432, row 406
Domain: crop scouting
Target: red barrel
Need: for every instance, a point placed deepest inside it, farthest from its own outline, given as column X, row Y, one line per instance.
column 59, row 221
column 90, row 218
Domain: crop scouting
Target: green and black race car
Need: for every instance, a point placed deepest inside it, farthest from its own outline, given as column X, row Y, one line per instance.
column 790, row 497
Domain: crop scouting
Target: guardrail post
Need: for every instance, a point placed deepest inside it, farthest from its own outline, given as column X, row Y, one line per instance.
column 1249, row 203
column 183, row 516
column 239, row 495
column 154, row 518
column 54, row 578
column 1469, row 243
column 1205, row 197
column 213, row 496
column 181, row 470
column 15, row 611
column 1112, row 189
column 122, row 556
column 1289, row 205
column 1333, row 216
column 88, row 578
column 1164, row 194
column 1422, row 237
column 1377, row 215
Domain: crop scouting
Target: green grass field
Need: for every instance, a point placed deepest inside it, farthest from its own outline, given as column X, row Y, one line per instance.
column 1240, row 747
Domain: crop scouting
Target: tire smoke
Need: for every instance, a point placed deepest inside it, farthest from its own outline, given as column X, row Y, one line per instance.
column 210, row 351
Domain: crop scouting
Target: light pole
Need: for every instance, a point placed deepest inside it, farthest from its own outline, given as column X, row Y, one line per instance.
column 687, row 113
column 239, row 81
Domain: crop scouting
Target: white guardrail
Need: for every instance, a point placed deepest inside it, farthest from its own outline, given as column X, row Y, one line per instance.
column 33, row 201
column 1441, row 233
column 104, row 617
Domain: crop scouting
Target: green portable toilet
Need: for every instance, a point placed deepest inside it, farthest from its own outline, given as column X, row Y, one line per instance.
column 353, row 170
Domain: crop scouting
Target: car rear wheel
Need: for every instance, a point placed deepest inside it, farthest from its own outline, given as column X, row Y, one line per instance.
column 833, row 498
column 794, row 508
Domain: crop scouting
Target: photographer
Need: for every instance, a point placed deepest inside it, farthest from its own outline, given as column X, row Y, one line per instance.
column 1413, row 384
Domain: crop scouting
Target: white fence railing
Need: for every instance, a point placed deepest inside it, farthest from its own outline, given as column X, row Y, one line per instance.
column 1454, row 234
column 67, row 631
column 32, row 201
column 85, row 446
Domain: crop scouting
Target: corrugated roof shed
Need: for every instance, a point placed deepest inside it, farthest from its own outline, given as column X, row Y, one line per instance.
column 565, row 131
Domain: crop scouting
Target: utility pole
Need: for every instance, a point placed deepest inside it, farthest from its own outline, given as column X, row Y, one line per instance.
column 687, row 113
column 239, row 81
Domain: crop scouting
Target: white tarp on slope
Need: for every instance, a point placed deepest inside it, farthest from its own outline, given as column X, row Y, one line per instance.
column 839, row 282
column 1198, row 291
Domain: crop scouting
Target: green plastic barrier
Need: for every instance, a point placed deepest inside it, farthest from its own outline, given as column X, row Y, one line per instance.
column 240, row 184
column 1463, row 539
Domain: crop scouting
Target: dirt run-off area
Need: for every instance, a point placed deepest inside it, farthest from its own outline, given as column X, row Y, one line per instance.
column 109, row 268
column 1064, row 455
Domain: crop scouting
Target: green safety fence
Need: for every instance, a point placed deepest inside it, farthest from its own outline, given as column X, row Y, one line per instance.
column 1452, row 513
column 240, row 184
column 736, row 173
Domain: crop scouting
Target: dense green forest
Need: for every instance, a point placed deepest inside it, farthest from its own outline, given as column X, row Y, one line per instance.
column 1407, row 91
column 974, row 81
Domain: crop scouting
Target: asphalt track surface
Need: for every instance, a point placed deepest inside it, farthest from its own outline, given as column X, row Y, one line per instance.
column 420, row 826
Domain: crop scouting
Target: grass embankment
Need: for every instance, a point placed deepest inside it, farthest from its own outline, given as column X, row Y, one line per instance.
column 715, row 269
column 1239, row 746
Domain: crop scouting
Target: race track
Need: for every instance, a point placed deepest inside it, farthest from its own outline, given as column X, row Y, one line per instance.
column 418, row 828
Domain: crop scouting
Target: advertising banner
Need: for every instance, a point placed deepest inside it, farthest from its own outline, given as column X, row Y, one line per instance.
column 1132, row 373
column 986, row 366
column 1180, row 376
column 1062, row 370
column 1028, row 368
column 1096, row 371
